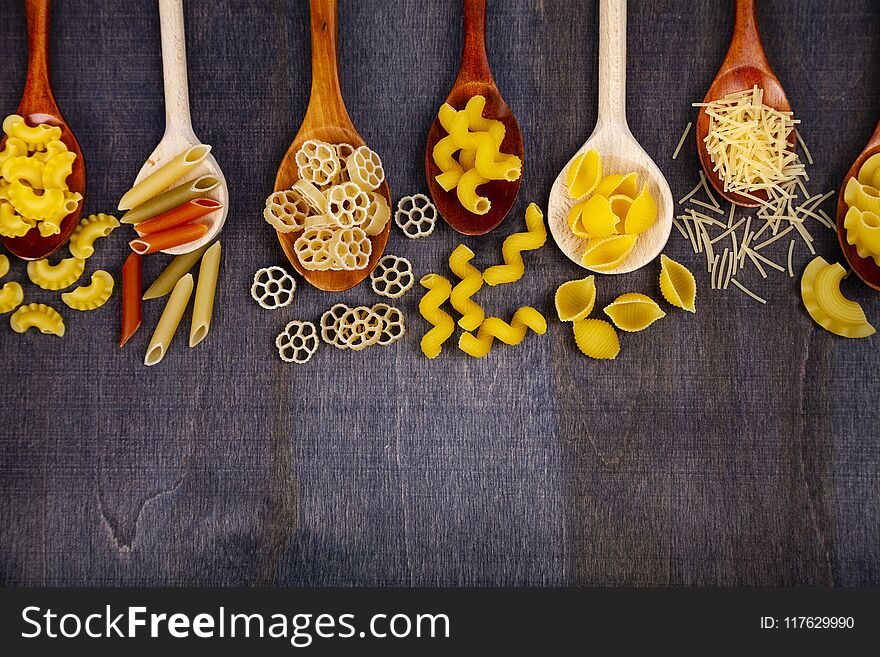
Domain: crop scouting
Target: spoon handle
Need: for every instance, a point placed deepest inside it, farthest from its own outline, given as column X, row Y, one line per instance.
column 474, row 60
column 746, row 48
column 325, row 102
column 177, row 116
column 38, row 88
column 612, row 62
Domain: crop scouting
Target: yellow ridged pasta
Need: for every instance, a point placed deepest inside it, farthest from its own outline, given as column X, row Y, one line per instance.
column 39, row 316
column 55, row 277
column 524, row 318
column 90, row 229
column 597, row 219
column 641, row 214
column 596, row 338
column 677, row 284
column 13, row 224
column 609, row 185
column 472, row 314
column 863, row 232
column 467, row 193
column 634, row 312
column 608, row 253
column 479, row 123
column 438, row 292
column 4, row 265
column 91, row 296
column 584, row 174
column 868, row 171
column 825, row 303
column 511, row 251
column 575, row 299
column 11, row 295
column 863, row 197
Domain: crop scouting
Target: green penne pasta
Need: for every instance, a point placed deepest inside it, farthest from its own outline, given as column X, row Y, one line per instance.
column 171, row 199
column 175, row 270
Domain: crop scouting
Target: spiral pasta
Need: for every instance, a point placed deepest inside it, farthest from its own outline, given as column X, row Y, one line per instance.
column 472, row 314
column 524, row 318
column 438, row 292
column 513, row 267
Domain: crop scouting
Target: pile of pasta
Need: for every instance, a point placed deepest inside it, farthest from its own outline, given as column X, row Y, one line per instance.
column 862, row 221
column 631, row 312
column 470, row 154
column 165, row 215
column 60, row 276
column 825, row 303
column 34, row 167
column 472, row 316
column 609, row 214
column 334, row 206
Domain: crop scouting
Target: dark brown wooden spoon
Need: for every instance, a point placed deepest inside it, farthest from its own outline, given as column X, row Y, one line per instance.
column 745, row 66
column 865, row 268
column 326, row 119
column 475, row 77
column 38, row 106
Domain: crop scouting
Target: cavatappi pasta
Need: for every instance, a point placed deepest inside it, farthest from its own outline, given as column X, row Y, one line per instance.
column 34, row 167
column 513, row 246
column 333, row 209
column 493, row 328
column 430, row 304
column 471, row 312
column 470, row 154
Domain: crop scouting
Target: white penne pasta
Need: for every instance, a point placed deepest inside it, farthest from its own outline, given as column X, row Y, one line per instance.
column 203, row 306
column 164, row 176
column 170, row 319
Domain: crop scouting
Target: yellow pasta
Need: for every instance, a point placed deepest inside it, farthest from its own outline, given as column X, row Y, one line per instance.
column 597, row 219
column 513, row 267
column 23, row 169
column 634, row 312
column 575, row 299
column 607, row 253
column 438, row 292
column 90, row 229
column 863, row 197
column 168, row 322
column 28, row 203
column 868, row 171
column 14, row 148
column 11, row 295
column 57, row 169
column 825, row 303
column 55, row 277
column 164, row 176
column 36, row 137
column 451, row 170
column 203, row 306
column 677, row 284
column 863, row 232
column 53, row 148
column 584, row 174
column 609, row 185
column 4, row 265
column 620, row 205
column 596, row 338
column 13, row 224
column 478, row 123
column 642, row 214
column 39, row 316
column 91, row 296
column 472, row 314
column 467, row 192
column 524, row 318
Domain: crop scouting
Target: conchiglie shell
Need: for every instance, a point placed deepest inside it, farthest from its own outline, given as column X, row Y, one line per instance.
column 608, row 253
column 869, row 169
column 642, row 213
column 597, row 219
column 575, row 299
column 574, row 215
column 596, row 338
column 609, row 184
column 584, row 174
column 620, row 204
column 628, row 186
column 826, row 305
column 633, row 312
column 677, row 284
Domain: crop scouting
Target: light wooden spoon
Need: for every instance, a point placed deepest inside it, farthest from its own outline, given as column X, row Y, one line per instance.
column 38, row 106
column 865, row 268
column 327, row 120
column 475, row 78
column 620, row 151
column 744, row 66
column 179, row 133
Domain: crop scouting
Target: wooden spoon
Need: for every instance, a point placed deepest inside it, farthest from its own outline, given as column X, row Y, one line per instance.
column 179, row 133
column 744, row 66
column 327, row 120
column 475, row 78
column 620, row 151
column 38, row 106
column 865, row 268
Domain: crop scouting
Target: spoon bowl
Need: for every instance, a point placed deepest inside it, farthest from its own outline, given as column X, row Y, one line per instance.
column 38, row 106
column 327, row 120
column 744, row 67
column 865, row 268
column 619, row 150
column 475, row 78
column 179, row 134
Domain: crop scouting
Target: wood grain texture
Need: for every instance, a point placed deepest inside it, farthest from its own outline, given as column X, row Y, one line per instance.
column 729, row 447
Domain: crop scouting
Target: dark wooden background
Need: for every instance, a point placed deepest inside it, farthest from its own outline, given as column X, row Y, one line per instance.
column 737, row 446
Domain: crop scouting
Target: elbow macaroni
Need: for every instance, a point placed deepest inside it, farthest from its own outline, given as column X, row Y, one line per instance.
column 39, row 316
column 90, row 229
column 55, row 277
column 91, row 296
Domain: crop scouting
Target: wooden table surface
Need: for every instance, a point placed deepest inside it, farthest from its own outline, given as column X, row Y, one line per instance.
column 736, row 446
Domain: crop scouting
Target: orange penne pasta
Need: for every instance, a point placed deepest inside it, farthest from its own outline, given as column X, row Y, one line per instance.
column 182, row 214
column 131, row 297
column 167, row 238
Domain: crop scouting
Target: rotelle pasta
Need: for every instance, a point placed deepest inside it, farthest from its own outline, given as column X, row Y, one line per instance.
column 131, row 298
column 182, row 214
column 164, row 176
column 171, row 199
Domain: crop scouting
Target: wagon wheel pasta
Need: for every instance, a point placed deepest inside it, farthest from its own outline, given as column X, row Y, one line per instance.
column 298, row 342
column 360, row 328
column 312, row 248
column 513, row 246
column 416, row 216
column 393, row 324
column 286, row 211
column 364, row 167
column 317, row 162
column 392, row 277
column 273, row 288
column 378, row 214
column 348, row 205
column 330, row 325
column 350, row 249
column 91, row 296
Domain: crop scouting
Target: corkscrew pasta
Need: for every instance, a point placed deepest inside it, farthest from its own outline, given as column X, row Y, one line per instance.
column 513, row 246
column 472, row 314
column 430, row 304
column 492, row 328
